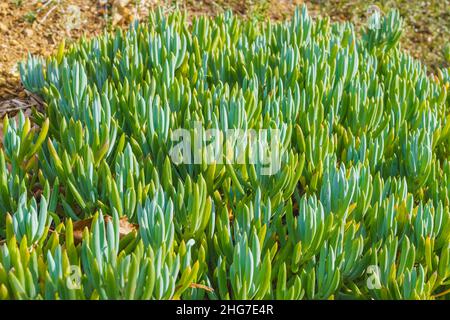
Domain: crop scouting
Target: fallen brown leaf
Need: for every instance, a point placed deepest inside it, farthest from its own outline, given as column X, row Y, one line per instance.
column 78, row 227
column 197, row 286
column 201, row 286
column 125, row 227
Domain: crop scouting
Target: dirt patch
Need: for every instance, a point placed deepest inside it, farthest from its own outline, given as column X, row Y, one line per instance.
column 36, row 27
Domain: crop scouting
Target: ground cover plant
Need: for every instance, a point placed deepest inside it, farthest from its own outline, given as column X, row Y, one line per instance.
column 94, row 205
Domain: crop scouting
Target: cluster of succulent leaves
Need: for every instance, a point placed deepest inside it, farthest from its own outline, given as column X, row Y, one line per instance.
column 364, row 183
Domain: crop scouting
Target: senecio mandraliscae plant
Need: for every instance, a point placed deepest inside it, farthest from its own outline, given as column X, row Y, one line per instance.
column 357, row 209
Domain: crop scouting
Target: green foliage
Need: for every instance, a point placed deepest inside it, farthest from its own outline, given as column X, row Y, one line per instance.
column 358, row 210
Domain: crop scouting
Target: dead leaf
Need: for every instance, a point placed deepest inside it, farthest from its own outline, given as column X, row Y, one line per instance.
column 201, row 286
column 195, row 286
column 78, row 227
column 125, row 227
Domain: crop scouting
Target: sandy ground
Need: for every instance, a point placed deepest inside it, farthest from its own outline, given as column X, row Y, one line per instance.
column 38, row 26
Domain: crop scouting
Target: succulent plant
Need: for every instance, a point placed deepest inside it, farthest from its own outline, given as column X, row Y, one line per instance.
column 354, row 205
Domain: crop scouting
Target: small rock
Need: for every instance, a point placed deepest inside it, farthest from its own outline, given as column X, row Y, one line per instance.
column 116, row 18
column 3, row 27
column 27, row 32
column 121, row 3
column 14, row 70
